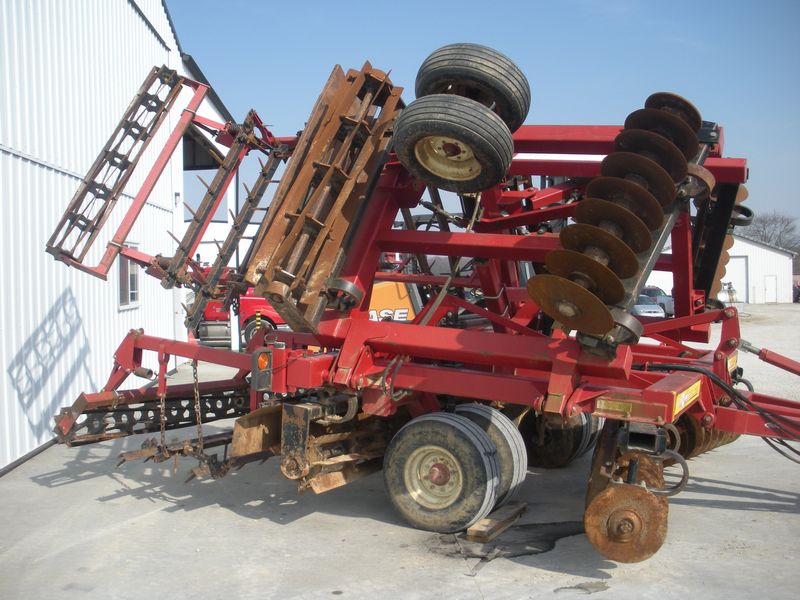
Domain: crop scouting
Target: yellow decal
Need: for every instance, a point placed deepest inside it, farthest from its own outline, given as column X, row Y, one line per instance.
column 686, row 397
column 733, row 361
column 613, row 407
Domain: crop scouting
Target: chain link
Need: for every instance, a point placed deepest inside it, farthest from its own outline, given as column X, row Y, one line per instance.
column 162, row 399
column 197, row 413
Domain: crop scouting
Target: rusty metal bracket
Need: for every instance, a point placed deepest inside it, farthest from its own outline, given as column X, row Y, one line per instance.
column 302, row 244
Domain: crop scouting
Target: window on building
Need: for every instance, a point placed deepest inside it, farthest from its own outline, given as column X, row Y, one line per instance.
column 128, row 283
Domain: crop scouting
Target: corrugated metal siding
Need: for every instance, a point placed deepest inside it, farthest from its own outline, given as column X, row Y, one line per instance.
column 69, row 69
column 762, row 264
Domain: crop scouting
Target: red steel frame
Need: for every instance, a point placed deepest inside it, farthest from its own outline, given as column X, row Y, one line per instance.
column 511, row 362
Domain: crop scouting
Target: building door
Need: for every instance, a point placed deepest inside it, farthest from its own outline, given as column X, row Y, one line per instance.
column 771, row 289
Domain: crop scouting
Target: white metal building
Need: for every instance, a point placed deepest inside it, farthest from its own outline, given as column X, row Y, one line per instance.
column 67, row 73
column 759, row 273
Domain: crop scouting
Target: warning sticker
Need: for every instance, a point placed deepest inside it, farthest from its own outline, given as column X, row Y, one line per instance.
column 686, row 397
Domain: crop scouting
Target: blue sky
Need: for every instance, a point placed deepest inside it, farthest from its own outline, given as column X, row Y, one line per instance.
column 588, row 61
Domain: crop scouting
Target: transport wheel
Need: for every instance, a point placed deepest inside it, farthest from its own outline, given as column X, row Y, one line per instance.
column 511, row 453
column 441, row 472
column 250, row 329
column 481, row 74
column 453, row 143
column 626, row 523
column 552, row 447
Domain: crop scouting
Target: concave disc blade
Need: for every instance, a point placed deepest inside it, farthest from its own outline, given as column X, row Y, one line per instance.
column 567, row 263
column 676, row 105
column 667, row 125
column 594, row 211
column 628, row 195
column 654, row 147
column 626, row 523
column 570, row 304
column 643, row 171
column 580, row 237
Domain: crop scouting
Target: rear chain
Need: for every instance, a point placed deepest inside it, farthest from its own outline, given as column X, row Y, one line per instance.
column 197, row 412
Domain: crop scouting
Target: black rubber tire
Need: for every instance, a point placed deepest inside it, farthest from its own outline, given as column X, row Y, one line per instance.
column 479, row 73
column 250, row 328
column 477, row 460
column 511, row 453
column 560, row 447
column 473, row 125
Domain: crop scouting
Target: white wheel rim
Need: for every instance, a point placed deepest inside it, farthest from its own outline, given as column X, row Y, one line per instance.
column 433, row 477
column 447, row 158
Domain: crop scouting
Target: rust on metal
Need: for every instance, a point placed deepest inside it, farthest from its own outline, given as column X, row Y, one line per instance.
column 301, row 246
column 626, row 523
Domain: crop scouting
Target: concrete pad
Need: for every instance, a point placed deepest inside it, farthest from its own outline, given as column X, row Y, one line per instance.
column 74, row 527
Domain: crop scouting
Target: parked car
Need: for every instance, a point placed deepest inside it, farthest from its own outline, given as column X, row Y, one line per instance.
column 664, row 300
column 647, row 307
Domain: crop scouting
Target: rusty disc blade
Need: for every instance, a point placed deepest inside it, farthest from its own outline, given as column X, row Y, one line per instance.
column 588, row 239
column 742, row 194
column 676, row 105
column 642, row 171
column 695, row 434
column 626, row 523
column 688, row 432
column 654, row 147
column 634, row 232
column 575, row 266
column 699, row 183
column 667, row 125
column 570, row 304
column 628, row 195
column 649, row 471
column 727, row 243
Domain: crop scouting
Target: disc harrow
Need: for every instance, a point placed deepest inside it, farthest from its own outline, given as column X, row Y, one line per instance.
column 475, row 382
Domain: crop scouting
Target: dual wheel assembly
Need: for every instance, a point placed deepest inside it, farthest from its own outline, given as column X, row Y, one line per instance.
column 457, row 134
column 445, row 471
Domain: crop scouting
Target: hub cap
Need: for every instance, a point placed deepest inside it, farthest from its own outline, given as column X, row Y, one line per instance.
column 433, row 477
column 447, row 158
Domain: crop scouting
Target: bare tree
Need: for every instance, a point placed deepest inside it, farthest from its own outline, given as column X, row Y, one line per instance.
column 776, row 229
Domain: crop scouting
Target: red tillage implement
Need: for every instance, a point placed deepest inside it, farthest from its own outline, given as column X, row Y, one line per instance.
column 523, row 349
